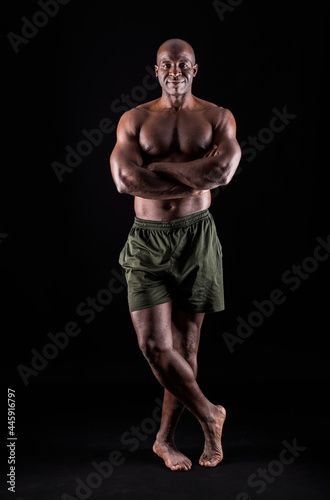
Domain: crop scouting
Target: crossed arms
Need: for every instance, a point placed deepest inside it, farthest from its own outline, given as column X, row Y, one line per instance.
column 165, row 180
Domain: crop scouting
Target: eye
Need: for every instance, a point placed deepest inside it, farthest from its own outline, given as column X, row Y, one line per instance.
column 183, row 65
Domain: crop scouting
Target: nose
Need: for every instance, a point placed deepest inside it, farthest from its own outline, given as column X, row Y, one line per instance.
column 175, row 71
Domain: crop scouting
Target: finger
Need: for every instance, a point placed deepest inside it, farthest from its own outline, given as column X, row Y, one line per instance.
column 211, row 151
column 216, row 151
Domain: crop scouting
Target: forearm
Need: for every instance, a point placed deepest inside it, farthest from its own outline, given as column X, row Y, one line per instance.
column 198, row 174
column 147, row 184
column 203, row 173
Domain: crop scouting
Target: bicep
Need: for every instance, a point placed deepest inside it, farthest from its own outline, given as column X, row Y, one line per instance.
column 126, row 155
column 224, row 134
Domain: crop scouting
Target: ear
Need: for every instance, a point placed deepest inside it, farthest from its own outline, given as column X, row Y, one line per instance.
column 156, row 70
column 195, row 68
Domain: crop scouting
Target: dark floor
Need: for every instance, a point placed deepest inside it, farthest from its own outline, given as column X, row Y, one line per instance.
column 59, row 447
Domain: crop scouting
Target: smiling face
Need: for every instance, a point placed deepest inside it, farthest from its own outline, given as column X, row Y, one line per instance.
column 176, row 67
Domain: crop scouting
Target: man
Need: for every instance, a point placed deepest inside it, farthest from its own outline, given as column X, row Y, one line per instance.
column 169, row 153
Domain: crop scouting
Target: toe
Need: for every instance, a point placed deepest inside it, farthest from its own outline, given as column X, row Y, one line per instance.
column 212, row 462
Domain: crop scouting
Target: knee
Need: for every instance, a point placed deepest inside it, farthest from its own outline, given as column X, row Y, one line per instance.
column 152, row 350
column 188, row 350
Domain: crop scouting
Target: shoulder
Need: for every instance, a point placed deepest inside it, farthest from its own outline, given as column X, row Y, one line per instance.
column 217, row 114
column 220, row 115
column 129, row 118
column 130, row 122
column 222, row 119
column 133, row 119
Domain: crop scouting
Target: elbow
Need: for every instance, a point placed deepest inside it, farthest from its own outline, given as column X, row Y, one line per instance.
column 120, row 185
column 224, row 178
column 126, row 183
column 221, row 174
column 226, row 174
column 121, row 180
column 121, row 188
column 224, row 170
column 118, row 173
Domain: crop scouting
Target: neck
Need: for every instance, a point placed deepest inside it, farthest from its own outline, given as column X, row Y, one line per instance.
column 176, row 102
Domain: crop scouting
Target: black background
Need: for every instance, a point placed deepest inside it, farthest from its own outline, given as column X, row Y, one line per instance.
column 60, row 240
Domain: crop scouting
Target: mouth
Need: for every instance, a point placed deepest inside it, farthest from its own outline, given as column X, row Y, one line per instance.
column 175, row 82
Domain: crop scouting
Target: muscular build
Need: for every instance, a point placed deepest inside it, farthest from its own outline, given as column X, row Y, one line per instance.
column 169, row 153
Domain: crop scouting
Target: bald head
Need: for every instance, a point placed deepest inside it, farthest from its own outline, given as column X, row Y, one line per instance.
column 176, row 46
column 176, row 67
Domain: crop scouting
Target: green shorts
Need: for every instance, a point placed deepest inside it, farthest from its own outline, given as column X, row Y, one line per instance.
column 179, row 260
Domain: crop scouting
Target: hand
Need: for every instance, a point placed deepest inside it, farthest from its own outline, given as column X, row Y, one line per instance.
column 199, row 191
column 154, row 166
column 212, row 152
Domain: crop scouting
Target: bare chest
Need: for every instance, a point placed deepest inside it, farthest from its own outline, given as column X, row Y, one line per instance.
column 165, row 134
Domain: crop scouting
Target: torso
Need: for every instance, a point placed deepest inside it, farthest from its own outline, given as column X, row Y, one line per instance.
column 175, row 136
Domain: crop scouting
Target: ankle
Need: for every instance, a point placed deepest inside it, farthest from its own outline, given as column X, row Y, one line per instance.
column 209, row 418
column 165, row 437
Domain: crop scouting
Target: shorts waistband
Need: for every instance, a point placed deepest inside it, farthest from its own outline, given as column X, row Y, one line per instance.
column 171, row 224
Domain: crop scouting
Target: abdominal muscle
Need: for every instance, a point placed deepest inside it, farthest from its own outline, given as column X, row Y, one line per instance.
column 165, row 210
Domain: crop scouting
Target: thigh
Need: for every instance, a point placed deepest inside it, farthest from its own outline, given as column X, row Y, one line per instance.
column 186, row 328
column 153, row 326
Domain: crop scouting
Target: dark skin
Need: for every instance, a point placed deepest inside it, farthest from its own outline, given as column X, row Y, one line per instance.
column 169, row 153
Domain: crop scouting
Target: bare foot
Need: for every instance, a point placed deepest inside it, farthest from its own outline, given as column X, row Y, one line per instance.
column 173, row 458
column 212, row 454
